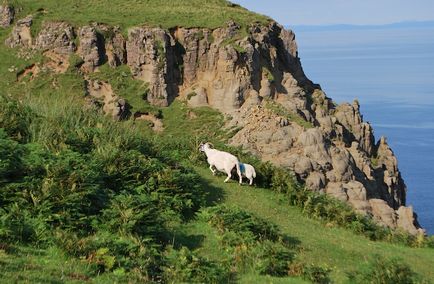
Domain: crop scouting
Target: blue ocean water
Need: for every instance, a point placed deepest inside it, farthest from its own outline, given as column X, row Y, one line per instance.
column 391, row 72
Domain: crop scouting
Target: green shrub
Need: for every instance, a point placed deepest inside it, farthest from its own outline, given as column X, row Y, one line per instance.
column 386, row 271
column 10, row 158
column 130, row 253
column 253, row 244
column 316, row 274
column 184, row 266
column 137, row 214
column 20, row 225
column 226, row 218
column 15, row 119
column 273, row 258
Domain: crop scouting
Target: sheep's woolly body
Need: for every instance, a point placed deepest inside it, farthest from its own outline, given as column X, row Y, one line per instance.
column 248, row 171
column 221, row 161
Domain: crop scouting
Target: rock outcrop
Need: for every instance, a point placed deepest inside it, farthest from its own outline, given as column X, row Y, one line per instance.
column 255, row 75
column 21, row 35
column 150, row 57
column 7, row 14
column 101, row 94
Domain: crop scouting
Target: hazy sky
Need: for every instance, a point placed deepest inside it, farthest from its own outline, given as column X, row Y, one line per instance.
column 325, row 12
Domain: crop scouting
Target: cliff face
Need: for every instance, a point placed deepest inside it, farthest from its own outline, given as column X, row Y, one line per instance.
column 254, row 75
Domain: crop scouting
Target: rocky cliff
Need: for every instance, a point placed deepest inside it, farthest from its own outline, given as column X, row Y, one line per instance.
column 254, row 75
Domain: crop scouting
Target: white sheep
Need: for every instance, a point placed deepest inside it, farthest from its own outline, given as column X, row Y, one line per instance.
column 248, row 171
column 221, row 161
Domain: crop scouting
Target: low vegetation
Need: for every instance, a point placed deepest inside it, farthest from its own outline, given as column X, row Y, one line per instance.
column 180, row 13
column 85, row 198
column 281, row 111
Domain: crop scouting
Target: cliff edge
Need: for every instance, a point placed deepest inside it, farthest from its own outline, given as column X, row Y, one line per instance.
column 251, row 73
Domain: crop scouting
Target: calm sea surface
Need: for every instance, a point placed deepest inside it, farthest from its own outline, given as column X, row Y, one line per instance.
column 391, row 72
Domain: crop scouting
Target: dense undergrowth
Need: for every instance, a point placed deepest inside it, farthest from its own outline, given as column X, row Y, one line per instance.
column 114, row 195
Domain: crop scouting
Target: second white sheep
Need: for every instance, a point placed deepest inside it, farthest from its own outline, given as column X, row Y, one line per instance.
column 248, row 171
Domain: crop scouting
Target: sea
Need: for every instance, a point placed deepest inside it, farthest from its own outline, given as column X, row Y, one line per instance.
column 390, row 71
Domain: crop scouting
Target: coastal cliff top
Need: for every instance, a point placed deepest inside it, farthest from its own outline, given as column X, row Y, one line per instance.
column 166, row 14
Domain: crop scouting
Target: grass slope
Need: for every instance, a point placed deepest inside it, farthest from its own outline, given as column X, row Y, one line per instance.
column 314, row 242
column 337, row 248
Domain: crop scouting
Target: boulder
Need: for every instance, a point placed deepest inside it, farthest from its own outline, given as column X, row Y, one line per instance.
column 383, row 213
column 407, row 220
column 91, row 48
column 197, row 98
column 57, row 37
column 101, row 93
column 21, row 35
column 149, row 53
column 337, row 190
column 316, row 181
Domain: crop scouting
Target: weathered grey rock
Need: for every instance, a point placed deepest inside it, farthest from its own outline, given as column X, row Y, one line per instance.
column 150, row 57
column 349, row 116
column 21, row 35
column 111, row 44
column 407, row 220
column 57, row 37
column 388, row 175
column 383, row 213
column 7, row 14
column 112, row 104
column 91, row 48
column 342, row 164
column 337, row 190
column 197, row 98
column 303, row 166
column 316, row 181
column 357, row 196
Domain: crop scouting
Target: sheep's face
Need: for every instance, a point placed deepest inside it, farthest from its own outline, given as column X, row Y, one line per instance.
column 202, row 147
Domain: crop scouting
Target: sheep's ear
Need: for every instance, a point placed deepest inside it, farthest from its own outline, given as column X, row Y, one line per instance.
column 211, row 145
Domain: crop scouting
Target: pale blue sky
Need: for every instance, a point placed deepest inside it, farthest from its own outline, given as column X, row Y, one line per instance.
column 326, row 12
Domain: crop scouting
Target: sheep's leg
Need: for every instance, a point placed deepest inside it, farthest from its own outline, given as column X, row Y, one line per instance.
column 212, row 170
column 239, row 173
column 251, row 181
column 229, row 176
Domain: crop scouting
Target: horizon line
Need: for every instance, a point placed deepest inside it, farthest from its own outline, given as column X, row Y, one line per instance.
column 409, row 22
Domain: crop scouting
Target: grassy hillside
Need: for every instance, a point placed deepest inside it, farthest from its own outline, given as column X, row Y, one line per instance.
column 167, row 14
column 85, row 198
column 72, row 253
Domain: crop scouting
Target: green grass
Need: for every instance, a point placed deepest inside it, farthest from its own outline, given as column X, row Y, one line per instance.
column 123, row 84
column 167, row 14
column 336, row 248
column 32, row 265
column 315, row 242
column 58, row 110
column 280, row 110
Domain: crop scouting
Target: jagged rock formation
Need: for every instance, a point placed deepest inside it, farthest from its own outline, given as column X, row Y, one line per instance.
column 7, row 14
column 101, row 92
column 254, row 74
column 21, row 35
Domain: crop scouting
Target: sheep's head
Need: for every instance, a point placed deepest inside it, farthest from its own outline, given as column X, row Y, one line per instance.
column 204, row 146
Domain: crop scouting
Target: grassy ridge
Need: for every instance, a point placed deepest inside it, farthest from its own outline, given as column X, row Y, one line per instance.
column 167, row 14
column 84, row 198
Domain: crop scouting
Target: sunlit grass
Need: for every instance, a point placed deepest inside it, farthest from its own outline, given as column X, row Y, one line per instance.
column 167, row 14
